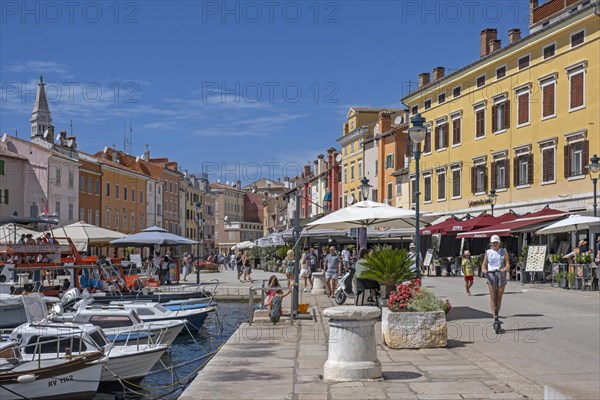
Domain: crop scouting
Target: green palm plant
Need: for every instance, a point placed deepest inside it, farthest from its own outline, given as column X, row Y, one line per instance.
column 388, row 266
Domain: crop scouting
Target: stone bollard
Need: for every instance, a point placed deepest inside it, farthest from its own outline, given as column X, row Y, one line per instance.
column 352, row 353
column 318, row 283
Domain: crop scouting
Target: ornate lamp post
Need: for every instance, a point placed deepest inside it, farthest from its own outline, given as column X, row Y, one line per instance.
column 417, row 134
column 594, row 171
column 364, row 188
column 493, row 197
column 198, row 205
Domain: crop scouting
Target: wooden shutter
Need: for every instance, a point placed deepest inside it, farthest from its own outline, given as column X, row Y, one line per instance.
column 473, row 179
column 548, row 165
column 516, row 170
column 480, row 124
column 577, row 90
column 523, row 111
column 455, row 183
column 506, row 173
column 586, row 157
column 493, row 176
column 494, row 125
column 427, row 146
column 437, row 137
column 485, row 178
column 506, row 114
column 445, row 133
column 548, row 98
column 567, row 150
column 456, row 131
column 530, row 169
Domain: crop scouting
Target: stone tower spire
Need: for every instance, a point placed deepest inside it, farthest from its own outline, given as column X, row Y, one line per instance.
column 40, row 116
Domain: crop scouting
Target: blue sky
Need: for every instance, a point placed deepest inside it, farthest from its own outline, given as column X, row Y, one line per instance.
column 240, row 89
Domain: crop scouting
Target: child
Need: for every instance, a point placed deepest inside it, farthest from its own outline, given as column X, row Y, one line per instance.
column 275, row 306
column 467, row 270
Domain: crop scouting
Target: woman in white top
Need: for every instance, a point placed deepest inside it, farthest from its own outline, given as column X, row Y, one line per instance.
column 304, row 271
column 494, row 266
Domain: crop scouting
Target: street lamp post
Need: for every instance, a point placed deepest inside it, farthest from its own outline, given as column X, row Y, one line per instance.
column 594, row 171
column 493, row 197
column 417, row 134
column 198, row 205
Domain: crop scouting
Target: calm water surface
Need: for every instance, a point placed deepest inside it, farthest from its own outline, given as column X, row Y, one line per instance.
column 187, row 354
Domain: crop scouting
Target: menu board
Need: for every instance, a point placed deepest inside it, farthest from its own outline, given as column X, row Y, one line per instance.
column 428, row 257
column 536, row 257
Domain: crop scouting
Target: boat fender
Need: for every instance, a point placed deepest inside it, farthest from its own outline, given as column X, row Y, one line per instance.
column 26, row 378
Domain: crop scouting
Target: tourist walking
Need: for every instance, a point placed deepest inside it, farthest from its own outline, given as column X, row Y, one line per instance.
column 346, row 257
column 185, row 267
column 239, row 265
column 288, row 264
column 305, row 271
column 333, row 271
column 247, row 267
column 494, row 267
column 467, row 270
column 311, row 260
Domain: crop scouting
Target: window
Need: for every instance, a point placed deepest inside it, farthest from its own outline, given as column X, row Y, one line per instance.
column 441, row 136
column 549, row 164
column 376, row 167
column 456, row 130
column 456, row 92
column 71, row 213
column 97, row 217
column 442, row 98
column 427, row 144
column 158, row 210
column 133, row 195
column 548, row 99
column 132, row 226
column 171, row 186
column 116, row 191
column 390, row 191
column 34, row 211
column 427, row 104
column 89, row 219
column 58, row 176
column 107, row 189
column 549, row 51
column 524, row 62
column 500, row 174
column 124, row 192
column 360, row 168
column 117, row 218
column 351, row 172
column 81, row 214
column 71, row 179
column 523, row 107
column 441, row 185
column 1, row 167
column 124, row 220
column 97, row 186
column 81, row 184
column 500, row 115
column 523, row 169
column 414, row 110
column 576, row 89
column 456, row 182
column 501, row 72
column 427, row 188
column 576, row 159
column 480, row 122
column 141, row 196
column 479, row 178
column 107, row 222
column 389, row 161
column 141, row 222
column 57, row 208
column 577, row 38
column 4, row 196
column 345, row 174
column 480, row 81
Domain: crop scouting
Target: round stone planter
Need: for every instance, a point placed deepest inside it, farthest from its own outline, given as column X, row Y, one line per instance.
column 414, row 330
column 318, row 283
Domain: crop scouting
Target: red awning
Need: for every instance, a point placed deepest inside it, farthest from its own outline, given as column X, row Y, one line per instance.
column 437, row 228
column 526, row 222
column 479, row 221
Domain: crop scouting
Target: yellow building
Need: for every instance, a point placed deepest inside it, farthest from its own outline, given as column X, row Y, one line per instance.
column 352, row 149
column 522, row 120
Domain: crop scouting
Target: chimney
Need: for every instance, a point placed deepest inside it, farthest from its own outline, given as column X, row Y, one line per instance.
column 533, row 4
column 114, row 156
column 485, row 37
column 50, row 137
column 239, row 184
column 307, row 170
column 495, row 45
column 514, row 35
column 385, row 121
column 147, row 153
column 423, row 79
column 438, row 73
column 62, row 135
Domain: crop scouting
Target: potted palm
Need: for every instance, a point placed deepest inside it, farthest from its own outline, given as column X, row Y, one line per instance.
column 389, row 266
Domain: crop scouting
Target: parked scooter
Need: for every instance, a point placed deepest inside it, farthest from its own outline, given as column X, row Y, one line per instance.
column 344, row 289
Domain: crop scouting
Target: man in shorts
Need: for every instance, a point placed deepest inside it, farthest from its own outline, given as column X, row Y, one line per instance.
column 333, row 271
column 467, row 270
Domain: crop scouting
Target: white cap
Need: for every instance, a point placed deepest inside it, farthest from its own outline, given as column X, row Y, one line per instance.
column 412, row 245
column 495, row 238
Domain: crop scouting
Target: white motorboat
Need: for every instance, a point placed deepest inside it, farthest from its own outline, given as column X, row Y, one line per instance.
column 123, row 326
column 73, row 378
column 12, row 312
column 46, row 339
column 151, row 312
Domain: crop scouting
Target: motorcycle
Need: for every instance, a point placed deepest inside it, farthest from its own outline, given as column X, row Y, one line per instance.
column 344, row 289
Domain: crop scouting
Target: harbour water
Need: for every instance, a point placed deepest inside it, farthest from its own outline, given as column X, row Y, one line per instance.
column 188, row 354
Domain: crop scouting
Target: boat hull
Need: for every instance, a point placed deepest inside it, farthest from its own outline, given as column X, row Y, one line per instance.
column 130, row 367
column 55, row 380
column 157, row 297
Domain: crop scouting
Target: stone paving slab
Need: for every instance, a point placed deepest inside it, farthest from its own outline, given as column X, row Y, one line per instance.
column 285, row 361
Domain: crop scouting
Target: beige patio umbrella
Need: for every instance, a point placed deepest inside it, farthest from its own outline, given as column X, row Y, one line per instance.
column 11, row 233
column 84, row 235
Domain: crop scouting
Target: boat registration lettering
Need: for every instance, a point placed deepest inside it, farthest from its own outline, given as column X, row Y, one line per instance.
column 60, row 381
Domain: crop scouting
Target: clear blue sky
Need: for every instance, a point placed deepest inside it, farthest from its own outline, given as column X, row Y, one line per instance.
column 237, row 88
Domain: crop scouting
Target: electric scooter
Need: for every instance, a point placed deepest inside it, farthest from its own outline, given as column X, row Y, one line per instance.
column 497, row 323
column 344, row 289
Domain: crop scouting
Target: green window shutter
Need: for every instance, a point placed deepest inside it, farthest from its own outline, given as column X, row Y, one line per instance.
column 1, row 167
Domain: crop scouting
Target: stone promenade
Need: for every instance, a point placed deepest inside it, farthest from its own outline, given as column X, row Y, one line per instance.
column 262, row 361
